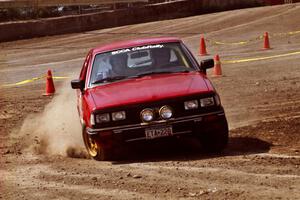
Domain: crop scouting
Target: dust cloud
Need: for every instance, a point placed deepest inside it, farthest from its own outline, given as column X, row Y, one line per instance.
column 57, row 130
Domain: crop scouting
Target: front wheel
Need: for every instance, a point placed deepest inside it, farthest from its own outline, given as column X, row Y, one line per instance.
column 214, row 142
column 94, row 148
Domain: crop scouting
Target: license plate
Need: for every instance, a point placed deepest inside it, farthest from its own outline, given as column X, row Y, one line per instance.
column 152, row 133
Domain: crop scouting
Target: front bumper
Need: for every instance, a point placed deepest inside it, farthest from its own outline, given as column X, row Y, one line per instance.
column 190, row 125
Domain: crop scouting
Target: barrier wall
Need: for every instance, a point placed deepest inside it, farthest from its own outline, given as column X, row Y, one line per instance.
column 277, row 2
column 71, row 24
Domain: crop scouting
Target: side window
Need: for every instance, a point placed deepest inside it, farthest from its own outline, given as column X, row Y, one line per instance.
column 173, row 57
column 177, row 59
column 84, row 67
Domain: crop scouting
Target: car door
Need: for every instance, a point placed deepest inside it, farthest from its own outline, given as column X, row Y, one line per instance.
column 80, row 93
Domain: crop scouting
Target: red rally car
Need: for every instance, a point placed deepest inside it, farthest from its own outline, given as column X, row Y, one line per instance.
column 147, row 89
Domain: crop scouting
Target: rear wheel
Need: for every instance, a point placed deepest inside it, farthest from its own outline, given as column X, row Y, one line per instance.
column 94, row 147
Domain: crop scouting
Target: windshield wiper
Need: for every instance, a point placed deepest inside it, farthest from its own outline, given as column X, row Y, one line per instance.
column 151, row 73
column 116, row 78
column 161, row 72
column 110, row 79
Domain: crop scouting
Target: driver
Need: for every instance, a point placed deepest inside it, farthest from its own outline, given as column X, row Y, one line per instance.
column 161, row 56
column 104, row 68
column 119, row 64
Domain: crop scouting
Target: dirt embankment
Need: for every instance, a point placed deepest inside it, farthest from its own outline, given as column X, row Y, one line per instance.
column 261, row 100
column 120, row 17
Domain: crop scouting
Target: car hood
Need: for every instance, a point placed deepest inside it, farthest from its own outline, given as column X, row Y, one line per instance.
column 149, row 88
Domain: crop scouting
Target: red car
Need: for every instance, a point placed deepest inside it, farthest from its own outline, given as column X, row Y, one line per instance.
column 147, row 89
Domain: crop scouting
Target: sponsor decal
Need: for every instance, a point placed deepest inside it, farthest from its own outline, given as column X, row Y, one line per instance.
column 137, row 49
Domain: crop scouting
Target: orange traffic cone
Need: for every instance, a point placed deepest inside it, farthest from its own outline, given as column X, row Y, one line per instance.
column 50, row 89
column 202, row 50
column 266, row 41
column 217, row 68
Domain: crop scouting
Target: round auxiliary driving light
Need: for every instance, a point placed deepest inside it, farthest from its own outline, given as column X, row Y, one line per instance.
column 147, row 115
column 165, row 112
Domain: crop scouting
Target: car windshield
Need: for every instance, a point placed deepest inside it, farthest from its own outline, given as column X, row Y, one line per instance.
column 139, row 61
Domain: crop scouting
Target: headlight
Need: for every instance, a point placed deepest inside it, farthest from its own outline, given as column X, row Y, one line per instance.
column 92, row 119
column 117, row 116
column 189, row 105
column 165, row 112
column 206, row 102
column 102, row 118
column 217, row 100
column 147, row 115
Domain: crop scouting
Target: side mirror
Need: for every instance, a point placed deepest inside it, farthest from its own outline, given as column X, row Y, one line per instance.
column 206, row 64
column 77, row 84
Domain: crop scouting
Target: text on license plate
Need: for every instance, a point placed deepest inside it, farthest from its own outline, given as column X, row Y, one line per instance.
column 158, row 132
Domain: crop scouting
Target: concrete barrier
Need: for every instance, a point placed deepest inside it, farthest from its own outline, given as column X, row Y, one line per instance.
column 72, row 24
column 277, row 2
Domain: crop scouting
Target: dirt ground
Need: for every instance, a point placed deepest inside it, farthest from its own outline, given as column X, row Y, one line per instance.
column 41, row 154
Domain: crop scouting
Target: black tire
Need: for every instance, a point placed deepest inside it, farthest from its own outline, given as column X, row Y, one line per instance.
column 214, row 142
column 95, row 149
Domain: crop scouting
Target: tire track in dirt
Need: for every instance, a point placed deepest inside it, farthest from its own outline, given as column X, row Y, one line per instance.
column 34, row 171
column 185, row 179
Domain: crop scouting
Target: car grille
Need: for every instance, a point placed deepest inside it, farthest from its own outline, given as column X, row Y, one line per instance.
column 177, row 104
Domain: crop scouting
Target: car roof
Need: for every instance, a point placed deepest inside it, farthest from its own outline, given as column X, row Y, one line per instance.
column 134, row 43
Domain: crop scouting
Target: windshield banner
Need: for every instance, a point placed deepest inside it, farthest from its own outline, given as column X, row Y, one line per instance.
column 137, row 49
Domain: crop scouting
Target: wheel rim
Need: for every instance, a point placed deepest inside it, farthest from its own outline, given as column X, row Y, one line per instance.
column 93, row 147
